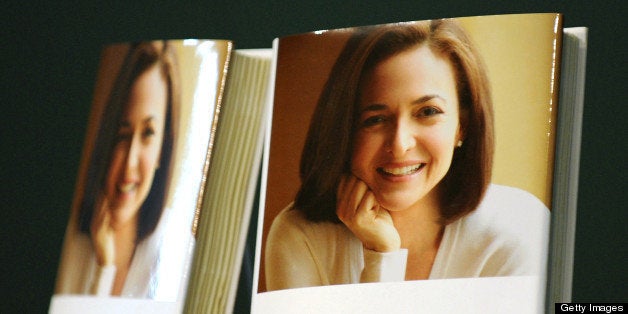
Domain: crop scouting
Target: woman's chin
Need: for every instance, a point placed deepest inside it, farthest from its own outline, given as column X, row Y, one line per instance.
column 399, row 201
column 394, row 205
column 123, row 217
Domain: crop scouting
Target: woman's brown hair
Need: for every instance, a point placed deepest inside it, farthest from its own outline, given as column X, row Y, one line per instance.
column 326, row 155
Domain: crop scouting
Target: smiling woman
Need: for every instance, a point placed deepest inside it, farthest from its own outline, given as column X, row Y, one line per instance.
column 124, row 194
column 396, row 168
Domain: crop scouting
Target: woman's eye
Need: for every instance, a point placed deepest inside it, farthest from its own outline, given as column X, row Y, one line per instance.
column 428, row 111
column 148, row 132
column 122, row 136
column 373, row 120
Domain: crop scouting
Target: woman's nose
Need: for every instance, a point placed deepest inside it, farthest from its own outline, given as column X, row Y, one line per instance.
column 132, row 158
column 401, row 139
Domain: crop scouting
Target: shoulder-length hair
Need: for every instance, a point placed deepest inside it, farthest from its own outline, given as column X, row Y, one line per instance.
column 326, row 155
column 140, row 58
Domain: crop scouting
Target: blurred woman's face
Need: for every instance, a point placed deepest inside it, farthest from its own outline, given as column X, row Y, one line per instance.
column 407, row 128
column 136, row 153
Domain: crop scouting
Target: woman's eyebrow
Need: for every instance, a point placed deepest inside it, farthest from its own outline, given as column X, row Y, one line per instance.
column 148, row 119
column 373, row 107
column 418, row 101
column 126, row 123
column 427, row 98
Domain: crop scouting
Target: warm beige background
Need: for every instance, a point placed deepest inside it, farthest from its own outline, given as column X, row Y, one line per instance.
column 201, row 71
column 518, row 51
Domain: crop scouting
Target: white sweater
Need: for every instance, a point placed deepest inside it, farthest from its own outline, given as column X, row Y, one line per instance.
column 506, row 235
column 159, row 269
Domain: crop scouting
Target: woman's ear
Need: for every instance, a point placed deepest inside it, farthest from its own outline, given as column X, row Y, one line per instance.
column 462, row 124
column 460, row 135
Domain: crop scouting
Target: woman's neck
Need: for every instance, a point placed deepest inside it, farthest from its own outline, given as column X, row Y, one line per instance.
column 418, row 227
column 125, row 240
column 421, row 232
column 125, row 234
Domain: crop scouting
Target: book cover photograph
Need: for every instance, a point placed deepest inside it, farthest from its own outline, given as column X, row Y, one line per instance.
column 403, row 154
column 131, row 233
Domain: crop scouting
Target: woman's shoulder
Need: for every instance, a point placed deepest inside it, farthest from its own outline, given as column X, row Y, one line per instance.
column 292, row 217
column 508, row 210
column 289, row 215
column 289, row 220
column 500, row 200
column 77, row 263
column 80, row 246
column 291, row 223
column 507, row 234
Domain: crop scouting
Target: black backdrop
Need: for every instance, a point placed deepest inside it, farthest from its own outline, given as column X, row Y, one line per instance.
column 49, row 59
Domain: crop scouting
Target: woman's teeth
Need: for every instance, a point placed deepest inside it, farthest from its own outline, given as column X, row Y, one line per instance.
column 125, row 188
column 401, row 171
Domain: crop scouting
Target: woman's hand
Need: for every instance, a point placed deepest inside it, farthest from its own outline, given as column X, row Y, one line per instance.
column 102, row 235
column 358, row 209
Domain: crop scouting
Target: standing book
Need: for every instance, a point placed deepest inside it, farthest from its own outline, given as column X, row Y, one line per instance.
column 175, row 127
column 364, row 119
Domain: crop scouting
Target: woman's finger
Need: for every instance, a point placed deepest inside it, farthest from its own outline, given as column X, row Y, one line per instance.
column 368, row 205
column 356, row 195
column 102, row 235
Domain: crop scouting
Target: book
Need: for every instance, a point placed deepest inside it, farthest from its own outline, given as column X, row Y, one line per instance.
column 175, row 126
column 231, row 186
column 245, row 103
column 311, row 260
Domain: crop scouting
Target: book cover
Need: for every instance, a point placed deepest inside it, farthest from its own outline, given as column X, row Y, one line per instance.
column 131, row 233
column 347, row 100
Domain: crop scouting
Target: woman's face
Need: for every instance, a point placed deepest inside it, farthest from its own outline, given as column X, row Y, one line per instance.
column 136, row 153
column 407, row 128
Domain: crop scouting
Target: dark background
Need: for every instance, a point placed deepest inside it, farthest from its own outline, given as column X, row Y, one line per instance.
column 50, row 54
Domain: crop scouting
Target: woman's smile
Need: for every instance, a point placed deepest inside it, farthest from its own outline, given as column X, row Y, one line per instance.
column 127, row 188
column 400, row 171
